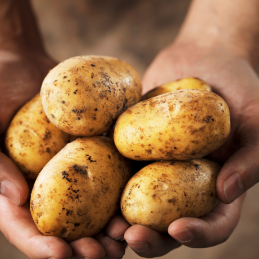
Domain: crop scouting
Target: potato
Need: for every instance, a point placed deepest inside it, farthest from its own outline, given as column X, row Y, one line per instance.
column 181, row 125
column 32, row 140
column 78, row 191
column 165, row 191
column 84, row 95
column 185, row 83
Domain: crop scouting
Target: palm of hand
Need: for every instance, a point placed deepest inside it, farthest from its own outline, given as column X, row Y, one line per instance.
column 21, row 77
column 235, row 80
column 230, row 77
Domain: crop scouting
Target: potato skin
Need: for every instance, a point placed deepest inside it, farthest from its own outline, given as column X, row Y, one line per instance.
column 79, row 190
column 185, row 83
column 165, row 191
column 32, row 140
column 84, row 95
column 181, row 125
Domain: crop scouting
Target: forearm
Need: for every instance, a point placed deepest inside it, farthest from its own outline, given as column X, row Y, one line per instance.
column 18, row 28
column 232, row 25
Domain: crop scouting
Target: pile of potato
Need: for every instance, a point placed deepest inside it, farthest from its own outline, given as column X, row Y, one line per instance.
column 57, row 138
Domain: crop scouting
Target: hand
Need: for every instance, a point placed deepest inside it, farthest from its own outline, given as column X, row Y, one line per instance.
column 21, row 75
column 210, row 230
column 234, row 79
column 220, row 49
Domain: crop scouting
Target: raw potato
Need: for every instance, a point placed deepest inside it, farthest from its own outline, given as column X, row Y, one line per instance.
column 181, row 125
column 165, row 191
column 79, row 190
column 32, row 140
column 185, row 83
column 84, row 95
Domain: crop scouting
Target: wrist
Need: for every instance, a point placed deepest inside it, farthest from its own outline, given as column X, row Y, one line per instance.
column 218, row 24
column 18, row 28
column 207, row 44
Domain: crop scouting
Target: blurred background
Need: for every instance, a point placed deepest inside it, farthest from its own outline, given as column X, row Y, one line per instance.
column 134, row 31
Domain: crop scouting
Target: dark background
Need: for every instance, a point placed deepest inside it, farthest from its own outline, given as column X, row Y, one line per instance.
column 134, row 31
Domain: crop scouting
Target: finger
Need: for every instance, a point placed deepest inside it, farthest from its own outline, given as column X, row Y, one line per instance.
column 18, row 227
column 148, row 243
column 152, row 77
column 238, row 174
column 12, row 183
column 87, row 247
column 211, row 230
column 113, row 249
column 117, row 227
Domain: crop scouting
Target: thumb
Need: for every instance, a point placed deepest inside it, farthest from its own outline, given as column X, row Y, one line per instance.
column 238, row 174
column 12, row 183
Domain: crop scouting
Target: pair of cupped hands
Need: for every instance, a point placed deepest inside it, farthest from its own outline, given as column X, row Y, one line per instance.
column 232, row 77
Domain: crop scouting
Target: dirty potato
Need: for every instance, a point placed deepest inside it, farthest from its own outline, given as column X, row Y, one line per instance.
column 185, row 83
column 165, row 191
column 32, row 140
column 78, row 191
column 84, row 95
column 181, row 125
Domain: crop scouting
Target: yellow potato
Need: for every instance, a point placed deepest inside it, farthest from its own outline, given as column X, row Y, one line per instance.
column 181, row 125
column 79, row 190
column 84, row 95
column 165, row 191
column 32, row 140
column 185, row 83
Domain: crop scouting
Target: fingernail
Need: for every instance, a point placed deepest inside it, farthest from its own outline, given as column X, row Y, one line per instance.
column 233, row 187
column 138, row 246
column 10, row 191
column 183, row 235
column 121, row 238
